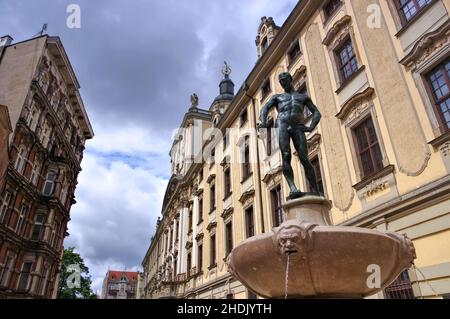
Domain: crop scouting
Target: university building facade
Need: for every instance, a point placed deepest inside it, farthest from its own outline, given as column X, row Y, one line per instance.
column 379, row 72
column 42, row 147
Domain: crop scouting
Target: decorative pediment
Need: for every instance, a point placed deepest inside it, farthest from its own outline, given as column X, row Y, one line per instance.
column 211, row 226
column 246, row 195
column 226, row 161
column 199, row 192
column 339, row 30
column 199, row 236
column 272, row 173
column 299, row 75
column 189, row 245
column 227, row 212
column 356, row 105
column 314, row 143
column 211, row 178
column 428, row 44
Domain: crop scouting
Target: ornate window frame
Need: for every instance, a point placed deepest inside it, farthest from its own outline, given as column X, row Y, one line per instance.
column 428, row 52
column 337, row 36
column 356, row 110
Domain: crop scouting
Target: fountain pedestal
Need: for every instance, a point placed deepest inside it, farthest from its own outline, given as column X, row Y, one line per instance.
column 324, row 261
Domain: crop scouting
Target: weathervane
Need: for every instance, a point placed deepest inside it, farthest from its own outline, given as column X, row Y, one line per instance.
column 226, row 69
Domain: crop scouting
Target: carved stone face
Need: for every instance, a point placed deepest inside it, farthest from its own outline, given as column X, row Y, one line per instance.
column 289, row 240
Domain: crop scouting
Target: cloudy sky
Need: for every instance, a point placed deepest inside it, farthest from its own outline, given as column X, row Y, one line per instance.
column 138, row 62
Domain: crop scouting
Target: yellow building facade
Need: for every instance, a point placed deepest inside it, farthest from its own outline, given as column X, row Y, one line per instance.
column 379, row 72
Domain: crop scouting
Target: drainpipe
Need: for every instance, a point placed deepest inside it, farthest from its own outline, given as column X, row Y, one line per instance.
column 258, row 172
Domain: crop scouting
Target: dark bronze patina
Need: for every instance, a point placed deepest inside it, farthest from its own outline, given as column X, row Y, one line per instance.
column 291, row 125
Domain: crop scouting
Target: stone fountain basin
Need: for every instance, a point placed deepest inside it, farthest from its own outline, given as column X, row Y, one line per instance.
column 328, row 262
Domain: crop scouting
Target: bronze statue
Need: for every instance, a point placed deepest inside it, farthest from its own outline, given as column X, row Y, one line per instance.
column 291, row 125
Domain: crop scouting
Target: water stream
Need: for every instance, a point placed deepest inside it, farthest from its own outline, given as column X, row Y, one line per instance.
column 287, row 277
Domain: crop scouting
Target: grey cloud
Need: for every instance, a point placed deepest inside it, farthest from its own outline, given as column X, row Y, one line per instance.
column 138, row 62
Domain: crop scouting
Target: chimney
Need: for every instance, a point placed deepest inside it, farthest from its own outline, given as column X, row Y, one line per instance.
column 5, row 41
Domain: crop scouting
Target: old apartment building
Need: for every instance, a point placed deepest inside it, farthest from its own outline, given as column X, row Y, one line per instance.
column 121, row 285
column 46, row 127
column 379, row 71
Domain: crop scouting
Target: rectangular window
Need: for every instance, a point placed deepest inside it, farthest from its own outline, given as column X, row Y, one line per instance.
column 32, row 119
column 213, row 197
column 54, row 236
column 20, row 160
column 34, row 173
column 368, row 148
column 229, row 238
column 44, row 283
column 294, row 52
column 226, row 139
column 316, row 165
column 331, row 7
column 7, row 271
column 246, row 166
column 200, row 175
column 189, row 264
column 265, row 89
column 439, row 81
column 38, row 227
column 213, row 157
column 272, row 143
column 25, row 276
column 244, row 117
column 213, row 251
column 20, row 226
column 200, row 258
column 348, row 64
column 408, row 9
column 190, row 221
column 249, row 222
column 401, row 288
column 200, row 210
column 5, row 206
column 277, row 206
column 227, row 182
column 49, row 184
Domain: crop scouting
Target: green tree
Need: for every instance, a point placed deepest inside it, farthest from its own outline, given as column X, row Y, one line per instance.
column 72, row 286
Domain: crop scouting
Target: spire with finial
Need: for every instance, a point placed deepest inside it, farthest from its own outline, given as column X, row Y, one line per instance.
column 226, row 85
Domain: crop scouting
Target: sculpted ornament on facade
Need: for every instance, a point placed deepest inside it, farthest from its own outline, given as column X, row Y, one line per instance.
column 375, row 187
column 427, row 46
column 445, row 149
column 339, row 31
